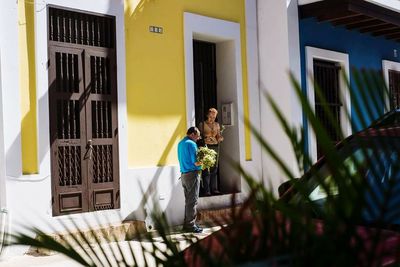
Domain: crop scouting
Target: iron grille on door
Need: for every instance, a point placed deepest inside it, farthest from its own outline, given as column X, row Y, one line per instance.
column 327, row 79
column 80, row 28
column 83, row 112
column 394, row 89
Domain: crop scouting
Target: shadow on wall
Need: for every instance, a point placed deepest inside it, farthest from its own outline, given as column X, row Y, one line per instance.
column 167, row 100
column 151, row 195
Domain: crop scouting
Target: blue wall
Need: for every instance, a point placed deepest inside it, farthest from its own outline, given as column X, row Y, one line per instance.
column 365, row 52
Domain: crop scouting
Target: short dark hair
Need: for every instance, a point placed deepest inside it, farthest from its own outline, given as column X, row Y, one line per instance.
column 192, row 129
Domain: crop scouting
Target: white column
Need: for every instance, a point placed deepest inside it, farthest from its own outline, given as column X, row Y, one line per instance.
column 2, row 153
column 278, row 54
column 10, row 106
column 10, row 116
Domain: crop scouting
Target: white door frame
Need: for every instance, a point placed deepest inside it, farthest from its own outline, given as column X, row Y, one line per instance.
column 386, row 66
column 226, row 35
column 342, row 58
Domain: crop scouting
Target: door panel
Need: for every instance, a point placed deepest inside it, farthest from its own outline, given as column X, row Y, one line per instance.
column 101, row 115
column 67, row 135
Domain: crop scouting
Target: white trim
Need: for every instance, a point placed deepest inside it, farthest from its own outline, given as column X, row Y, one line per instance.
column 218, row 31
column 386, row 66
column 343, row 59
column 3, row 198
column 213, row 30
column 305, row 2
column 253, row 88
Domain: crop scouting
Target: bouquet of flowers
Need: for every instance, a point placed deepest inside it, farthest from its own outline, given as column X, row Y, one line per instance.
column 207, row 157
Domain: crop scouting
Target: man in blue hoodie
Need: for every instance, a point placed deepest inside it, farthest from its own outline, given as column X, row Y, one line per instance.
column 190, row 177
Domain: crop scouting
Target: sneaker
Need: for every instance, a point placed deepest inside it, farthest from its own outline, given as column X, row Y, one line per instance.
column 197, row 229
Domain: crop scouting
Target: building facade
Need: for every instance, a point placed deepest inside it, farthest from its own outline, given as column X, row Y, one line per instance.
column 339, row 37
column 96, row 95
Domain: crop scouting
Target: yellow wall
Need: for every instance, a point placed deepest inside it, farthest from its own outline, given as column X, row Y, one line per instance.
column 27, row 79
column 155, row 73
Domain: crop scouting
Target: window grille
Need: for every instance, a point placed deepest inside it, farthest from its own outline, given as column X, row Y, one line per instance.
column 80, row 28
column 327, row 79
column 394, row 89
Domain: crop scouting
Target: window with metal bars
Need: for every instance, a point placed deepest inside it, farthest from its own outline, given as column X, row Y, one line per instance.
column 394, row 89
column 328, row 103
column 81, row 28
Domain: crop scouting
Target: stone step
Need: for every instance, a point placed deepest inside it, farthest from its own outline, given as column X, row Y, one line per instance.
column 130, row 229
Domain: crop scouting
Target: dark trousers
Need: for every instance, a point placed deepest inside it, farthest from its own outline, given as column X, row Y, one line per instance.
column 191, row 185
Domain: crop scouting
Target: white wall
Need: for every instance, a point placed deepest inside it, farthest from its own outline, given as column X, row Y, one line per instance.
column 10, row 146
column 10, row 117
column 10, row 86
column 276, row 22
column 254, row 166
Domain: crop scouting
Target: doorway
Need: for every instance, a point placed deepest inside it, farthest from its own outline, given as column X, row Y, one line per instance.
column 226, row 76
column 83, row 112
column 205, row 78
column 205, row 87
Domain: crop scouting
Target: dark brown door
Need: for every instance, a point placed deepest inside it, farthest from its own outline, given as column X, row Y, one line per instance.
column 83, row 129
column 67, row 131
column 83, row 111
column 101, row 118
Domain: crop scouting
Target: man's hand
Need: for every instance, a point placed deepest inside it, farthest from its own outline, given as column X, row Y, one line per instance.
column 198, row 163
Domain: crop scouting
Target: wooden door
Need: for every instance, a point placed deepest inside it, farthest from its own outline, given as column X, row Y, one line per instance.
column 67, row 130
column 83, row 111
column 102, row 131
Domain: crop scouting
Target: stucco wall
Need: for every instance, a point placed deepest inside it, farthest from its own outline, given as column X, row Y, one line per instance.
column 365, row 52
column 156, row 98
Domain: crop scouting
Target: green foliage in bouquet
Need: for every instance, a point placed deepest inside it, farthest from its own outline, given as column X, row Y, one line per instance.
column 207, row 157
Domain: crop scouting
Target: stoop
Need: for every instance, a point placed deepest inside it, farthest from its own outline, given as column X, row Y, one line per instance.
column 114, row 233
column 128, row 230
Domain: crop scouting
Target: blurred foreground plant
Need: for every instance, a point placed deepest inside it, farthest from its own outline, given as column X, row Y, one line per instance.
column 294, row 230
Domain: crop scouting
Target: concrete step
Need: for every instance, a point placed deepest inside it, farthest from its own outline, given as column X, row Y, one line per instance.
column 129, row 230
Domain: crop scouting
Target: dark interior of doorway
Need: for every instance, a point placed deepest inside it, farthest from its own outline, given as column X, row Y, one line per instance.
column 205, row 78
column 205, row 81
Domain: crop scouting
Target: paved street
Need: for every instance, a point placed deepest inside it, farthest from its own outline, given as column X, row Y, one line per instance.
column 59, row 260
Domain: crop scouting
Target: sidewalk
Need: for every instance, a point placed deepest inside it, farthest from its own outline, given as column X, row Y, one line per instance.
column 59, row 260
